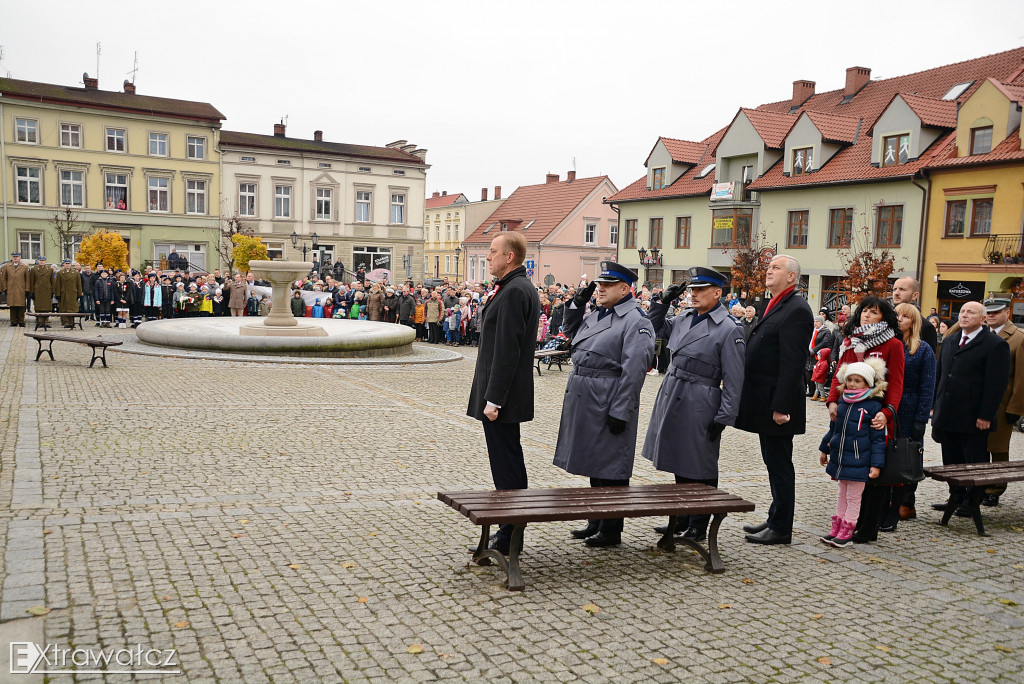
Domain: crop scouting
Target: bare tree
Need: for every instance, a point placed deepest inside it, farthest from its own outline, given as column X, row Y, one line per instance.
column 229, row 228
column 67, row 225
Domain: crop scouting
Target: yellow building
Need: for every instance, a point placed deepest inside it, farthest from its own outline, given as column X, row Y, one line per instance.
column 145, row 167
column 447, row 220
column 973, row 240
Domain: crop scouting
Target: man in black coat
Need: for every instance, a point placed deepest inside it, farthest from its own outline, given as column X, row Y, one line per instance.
column 502, row 392
column 773, row 404
column 972, row 374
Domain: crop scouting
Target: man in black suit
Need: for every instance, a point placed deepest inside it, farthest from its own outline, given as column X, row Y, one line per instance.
column 772, row 404
column 502, row 392
column 972, row 374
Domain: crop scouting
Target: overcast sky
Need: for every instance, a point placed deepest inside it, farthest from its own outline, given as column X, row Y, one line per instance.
column 500, row 93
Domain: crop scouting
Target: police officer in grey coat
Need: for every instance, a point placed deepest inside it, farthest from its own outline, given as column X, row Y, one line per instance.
column 701, row 391
column 612, row 350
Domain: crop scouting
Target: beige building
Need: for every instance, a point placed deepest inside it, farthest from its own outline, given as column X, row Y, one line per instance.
column 313, row 199
column 447, row 220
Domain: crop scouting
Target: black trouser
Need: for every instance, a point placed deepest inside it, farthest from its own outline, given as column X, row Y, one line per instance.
column 698, row 521
column 104, row 311
column 508, row 465
column 435, row 333
column 962, row 447
column 777, row 454
column 18, row 315
column 610, row 526
column 873, row 501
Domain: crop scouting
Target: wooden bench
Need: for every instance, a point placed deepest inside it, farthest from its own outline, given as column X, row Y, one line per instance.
column 97, row 343
column 976, row 476
column 558, row 356
column 518, row 507
column 43, row 318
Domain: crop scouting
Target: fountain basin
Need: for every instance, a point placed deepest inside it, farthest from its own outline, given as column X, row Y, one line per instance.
column 343, row 338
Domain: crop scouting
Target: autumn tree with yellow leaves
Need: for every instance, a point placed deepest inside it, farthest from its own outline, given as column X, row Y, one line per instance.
column 104, row 247
column 247, row 248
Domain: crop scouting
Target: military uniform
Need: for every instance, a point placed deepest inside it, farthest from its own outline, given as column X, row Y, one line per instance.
column 68, row 289
column 701, row 391
column 1012, row 403
column 41, row 282
column 14, row 280
column 612, row 349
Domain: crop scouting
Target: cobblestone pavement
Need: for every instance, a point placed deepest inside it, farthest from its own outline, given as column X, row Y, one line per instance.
column 279, row 523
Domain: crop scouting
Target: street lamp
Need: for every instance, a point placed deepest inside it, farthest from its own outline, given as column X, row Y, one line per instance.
column 648, row 259
column 295, row 243
column 458, row 273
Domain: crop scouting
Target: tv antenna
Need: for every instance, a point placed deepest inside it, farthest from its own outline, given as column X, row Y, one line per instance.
column 8, row 71
column 98, row 51
column 135, row 67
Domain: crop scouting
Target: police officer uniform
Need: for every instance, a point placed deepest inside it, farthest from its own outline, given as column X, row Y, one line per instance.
column 701, row 391
column 612, row 350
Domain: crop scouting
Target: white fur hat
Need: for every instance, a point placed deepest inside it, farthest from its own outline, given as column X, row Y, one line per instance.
column 871, row 369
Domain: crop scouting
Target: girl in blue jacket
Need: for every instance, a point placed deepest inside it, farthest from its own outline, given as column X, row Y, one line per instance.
column 852, row 451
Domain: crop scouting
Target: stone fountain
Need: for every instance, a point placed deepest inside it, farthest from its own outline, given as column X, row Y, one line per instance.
column 281, row 322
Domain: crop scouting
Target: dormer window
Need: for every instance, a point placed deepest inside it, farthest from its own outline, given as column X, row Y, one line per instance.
column 981, row 140
column 705, row 171
column 748, row 174
column 895, row 149
column 658, row 179
column 803, row 159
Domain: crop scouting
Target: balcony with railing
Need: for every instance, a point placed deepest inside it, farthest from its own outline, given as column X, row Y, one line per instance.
column 1004, row 249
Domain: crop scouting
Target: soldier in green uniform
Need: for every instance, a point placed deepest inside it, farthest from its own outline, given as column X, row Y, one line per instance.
column 68, row 289
column 41, row 286
column 14, row 280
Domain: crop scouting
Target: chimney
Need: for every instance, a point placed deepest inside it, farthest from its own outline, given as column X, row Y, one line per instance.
column 497, row 192
column 90, row 83
column 444, row 193
column 129, row 87
column 435, row 195
column 802, row 91
column 483, row 194
column 856, row 78
column 551, row 178
column 571, row 176
column 318, row 136
column 279, row 130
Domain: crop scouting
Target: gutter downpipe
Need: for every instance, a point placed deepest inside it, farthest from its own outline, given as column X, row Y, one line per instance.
column 3, row 177
column 924, row 227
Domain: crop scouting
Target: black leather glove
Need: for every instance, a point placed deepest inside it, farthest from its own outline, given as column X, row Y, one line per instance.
column 581, row 298
column 616, row 426
column 1012, row 418
column 918, row 433
column 672, row 292
column 715, row 431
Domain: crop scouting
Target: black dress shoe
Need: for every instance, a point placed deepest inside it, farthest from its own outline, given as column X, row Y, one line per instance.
column 964, row 512
column 754, row 529
column 602, row 539
column 587, row 531
column 769, row 536
column 695, row 533
column 990, row 500
column 662, row 529
column 496, row 542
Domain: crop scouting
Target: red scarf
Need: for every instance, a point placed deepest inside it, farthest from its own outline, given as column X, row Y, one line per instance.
column 778, row 298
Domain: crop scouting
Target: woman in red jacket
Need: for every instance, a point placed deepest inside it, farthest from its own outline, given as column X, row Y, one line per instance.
column 873, row 330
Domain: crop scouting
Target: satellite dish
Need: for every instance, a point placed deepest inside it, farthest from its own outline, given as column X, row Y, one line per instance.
column 85, row 76
column 127, row 82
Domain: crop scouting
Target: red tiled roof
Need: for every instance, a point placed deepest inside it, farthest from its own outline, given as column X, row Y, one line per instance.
column 687, row 185
column 932, row 111
column 853, row 163
column 1008, row 150
column 833, row 128
column 33, row 91
column 443, row 200
column 1015, row 93
column 279, row 142
column 684, row 151
column 771, row 126
column 546, row 205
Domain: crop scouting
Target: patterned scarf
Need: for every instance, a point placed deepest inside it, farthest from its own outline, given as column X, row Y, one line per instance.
column 851, row 396
column 867, row 337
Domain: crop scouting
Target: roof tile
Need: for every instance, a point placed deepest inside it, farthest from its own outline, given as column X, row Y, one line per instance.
column 932, row 111
column 834, row 128
column 283, row 144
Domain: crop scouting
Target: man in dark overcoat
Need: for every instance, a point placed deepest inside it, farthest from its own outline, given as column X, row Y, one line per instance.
column 972, row 374
column 41, row 280
column 14, row 280
column 502, row 393
column 68, row 290
column 773, row 404
column 612, row 349
column 701, row 391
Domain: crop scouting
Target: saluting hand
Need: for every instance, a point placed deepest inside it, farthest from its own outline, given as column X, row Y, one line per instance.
column 672, row 292
column 581, row 298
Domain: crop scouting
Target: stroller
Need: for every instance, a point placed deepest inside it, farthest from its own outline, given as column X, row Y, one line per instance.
column 557, row 342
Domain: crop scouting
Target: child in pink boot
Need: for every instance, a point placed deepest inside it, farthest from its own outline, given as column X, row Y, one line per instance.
column 853, row 451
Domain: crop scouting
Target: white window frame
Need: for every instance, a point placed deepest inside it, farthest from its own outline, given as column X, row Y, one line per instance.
column 195, row 147
column 73, row 131
column 29, row 180
column 283, row 200
column 364, row 203
column 113, row 135
column 244, row 192
column 400, row 206
column 161, row 185
column 196, row 190
column 447, row 263
column 590, row 232
column 613, row 234
column 160, row 139
column 26, row 130
column 72, row 183
column 275, row 250
column 30, row 244
column 107, row 173
column 324, row 209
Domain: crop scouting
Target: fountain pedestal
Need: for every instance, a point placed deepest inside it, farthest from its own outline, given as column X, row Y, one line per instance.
column 280, row 322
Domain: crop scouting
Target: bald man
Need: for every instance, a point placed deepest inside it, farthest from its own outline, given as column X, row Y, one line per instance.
column 908, row 291
column 972, row 374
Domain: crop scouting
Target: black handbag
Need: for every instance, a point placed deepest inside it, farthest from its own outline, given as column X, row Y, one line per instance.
column 904, row 459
